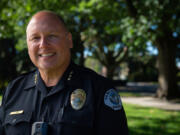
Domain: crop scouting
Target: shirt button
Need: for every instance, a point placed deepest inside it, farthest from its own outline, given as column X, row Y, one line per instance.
column 14, row 120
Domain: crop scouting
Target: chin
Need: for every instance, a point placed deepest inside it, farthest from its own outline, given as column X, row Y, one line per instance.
column 46, row 67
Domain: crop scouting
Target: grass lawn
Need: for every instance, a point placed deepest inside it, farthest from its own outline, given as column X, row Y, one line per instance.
column 151, row 121
column 129, row 94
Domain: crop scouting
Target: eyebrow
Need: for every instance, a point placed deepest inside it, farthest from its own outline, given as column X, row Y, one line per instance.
column 31, row 35
column 35, row 34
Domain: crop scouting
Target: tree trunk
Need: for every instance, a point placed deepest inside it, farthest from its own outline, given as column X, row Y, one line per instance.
column 166, row 65
column 111, row 71
column 82, row 59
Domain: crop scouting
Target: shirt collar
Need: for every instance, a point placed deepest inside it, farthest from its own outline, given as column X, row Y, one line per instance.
column 62, row 82
column 70, row 77
column 31, row 80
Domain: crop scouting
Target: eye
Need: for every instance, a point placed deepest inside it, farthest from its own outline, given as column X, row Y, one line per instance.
column 52, row 36
column 35, row 38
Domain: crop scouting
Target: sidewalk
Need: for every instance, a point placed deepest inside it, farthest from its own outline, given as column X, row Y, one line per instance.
column 148, row 91
column 149, row 101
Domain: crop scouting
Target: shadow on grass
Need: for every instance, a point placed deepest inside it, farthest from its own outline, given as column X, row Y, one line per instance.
column 145, row 121
column 155, row 127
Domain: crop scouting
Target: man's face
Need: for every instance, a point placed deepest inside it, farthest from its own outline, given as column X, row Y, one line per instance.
column 48, row 43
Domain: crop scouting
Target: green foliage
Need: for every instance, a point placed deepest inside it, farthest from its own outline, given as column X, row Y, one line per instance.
column 105, row 28
column 93, row 64
column 151, row 121
column 152, row 20
column 129, row 94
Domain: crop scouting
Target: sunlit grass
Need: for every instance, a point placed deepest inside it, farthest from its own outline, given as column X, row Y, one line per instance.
column 129, row 94
column 151, row 121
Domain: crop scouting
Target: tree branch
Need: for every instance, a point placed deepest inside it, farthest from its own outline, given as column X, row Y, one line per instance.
column 125, row 53
column 131, row 9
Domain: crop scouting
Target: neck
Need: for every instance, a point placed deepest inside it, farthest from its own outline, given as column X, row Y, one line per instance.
column 52, row 77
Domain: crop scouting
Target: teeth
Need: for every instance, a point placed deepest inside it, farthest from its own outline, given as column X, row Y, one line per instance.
column 46, row 55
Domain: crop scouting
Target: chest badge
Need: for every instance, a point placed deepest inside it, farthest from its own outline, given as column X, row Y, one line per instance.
column 78, row 98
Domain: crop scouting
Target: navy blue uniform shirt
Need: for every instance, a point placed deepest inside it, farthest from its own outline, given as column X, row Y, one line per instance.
column 98, row 110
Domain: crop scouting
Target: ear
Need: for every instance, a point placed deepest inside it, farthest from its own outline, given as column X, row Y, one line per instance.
column 69, row 38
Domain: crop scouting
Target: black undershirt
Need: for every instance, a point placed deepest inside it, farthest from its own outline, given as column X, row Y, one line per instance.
column 49, row 88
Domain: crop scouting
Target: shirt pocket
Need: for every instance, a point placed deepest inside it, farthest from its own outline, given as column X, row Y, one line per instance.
column 76, row 121
column 18, row 124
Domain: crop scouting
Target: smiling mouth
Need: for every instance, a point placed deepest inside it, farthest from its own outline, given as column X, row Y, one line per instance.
column 47, row 54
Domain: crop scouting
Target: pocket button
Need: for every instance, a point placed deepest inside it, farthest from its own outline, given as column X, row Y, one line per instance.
column 14, row 121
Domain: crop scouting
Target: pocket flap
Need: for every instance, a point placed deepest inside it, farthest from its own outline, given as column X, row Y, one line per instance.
column 78, row 118
column 17, row 118
column 77, row 123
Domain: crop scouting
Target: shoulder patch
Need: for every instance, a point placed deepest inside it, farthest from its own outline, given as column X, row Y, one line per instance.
column 112, row 99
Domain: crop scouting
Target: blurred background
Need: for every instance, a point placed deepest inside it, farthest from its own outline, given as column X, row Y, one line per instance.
column 124, row 40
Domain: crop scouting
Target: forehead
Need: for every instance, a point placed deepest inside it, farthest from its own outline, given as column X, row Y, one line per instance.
column 46, row 23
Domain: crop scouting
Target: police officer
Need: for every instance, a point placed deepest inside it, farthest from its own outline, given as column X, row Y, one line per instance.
column 59, row 98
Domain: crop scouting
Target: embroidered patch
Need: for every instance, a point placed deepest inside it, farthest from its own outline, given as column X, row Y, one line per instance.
column 112, row 99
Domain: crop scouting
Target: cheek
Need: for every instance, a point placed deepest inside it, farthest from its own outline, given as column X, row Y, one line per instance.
column 64, row 51
column 32, row 51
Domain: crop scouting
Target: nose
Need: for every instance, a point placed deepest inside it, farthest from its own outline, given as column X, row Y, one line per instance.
column 43, row 43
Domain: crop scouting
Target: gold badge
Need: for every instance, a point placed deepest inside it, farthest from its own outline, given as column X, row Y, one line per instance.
column 78, row 98
column 16, row 112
